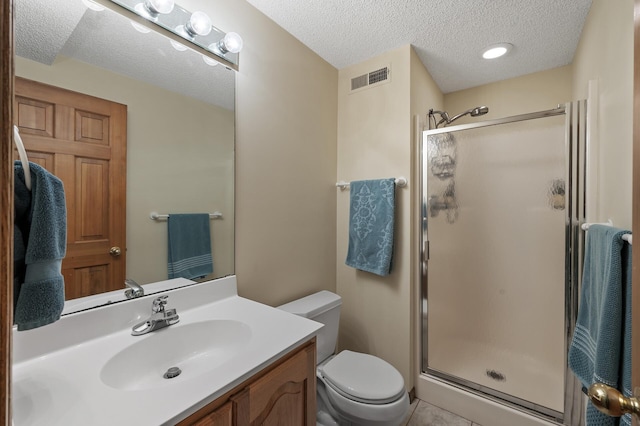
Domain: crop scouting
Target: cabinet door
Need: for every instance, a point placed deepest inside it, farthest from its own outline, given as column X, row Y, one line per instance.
column 223, row 416
column 284, row 396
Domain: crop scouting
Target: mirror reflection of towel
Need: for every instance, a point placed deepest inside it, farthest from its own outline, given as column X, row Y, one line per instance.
column 371, row 224
column 39, row 245
column 189, row 246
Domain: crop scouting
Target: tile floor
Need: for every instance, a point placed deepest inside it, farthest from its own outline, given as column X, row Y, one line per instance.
column 424, row 414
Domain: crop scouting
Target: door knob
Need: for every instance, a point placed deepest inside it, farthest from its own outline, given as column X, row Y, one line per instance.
column 115, row 251
column 611, row 401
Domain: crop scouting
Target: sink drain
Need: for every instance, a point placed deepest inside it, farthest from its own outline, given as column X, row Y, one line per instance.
column 172, row 372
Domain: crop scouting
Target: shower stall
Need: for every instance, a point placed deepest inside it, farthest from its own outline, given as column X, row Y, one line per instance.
column 502, row 204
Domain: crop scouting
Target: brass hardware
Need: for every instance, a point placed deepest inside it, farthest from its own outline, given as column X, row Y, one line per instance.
column 611, row 401
column 115, row 251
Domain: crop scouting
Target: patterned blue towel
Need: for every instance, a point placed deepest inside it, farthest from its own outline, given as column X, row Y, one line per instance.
column 371, row 222
column 597, row 352
column 189, row 246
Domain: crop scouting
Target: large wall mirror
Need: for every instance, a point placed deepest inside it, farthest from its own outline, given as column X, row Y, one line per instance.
column 179, row 128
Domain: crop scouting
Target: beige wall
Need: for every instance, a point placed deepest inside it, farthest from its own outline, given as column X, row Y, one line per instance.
column 286, row 158
column 605, row 55
column 181, row 163
column 375, row 140
column 533, row 92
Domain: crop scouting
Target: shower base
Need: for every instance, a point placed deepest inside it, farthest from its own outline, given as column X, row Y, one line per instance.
column 514, row 378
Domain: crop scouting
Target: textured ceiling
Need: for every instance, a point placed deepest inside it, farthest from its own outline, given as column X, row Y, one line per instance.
column 48, row 29
column 449, row 36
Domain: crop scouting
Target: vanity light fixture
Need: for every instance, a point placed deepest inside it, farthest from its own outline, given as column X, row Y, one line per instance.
column 185, row 30
column 198, row 24
column 497, row 50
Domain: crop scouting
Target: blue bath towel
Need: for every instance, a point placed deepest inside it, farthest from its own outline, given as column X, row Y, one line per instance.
column 371, row 223
column 189, row 246
column 627, row 255
column 40, row 243
column 597, row 352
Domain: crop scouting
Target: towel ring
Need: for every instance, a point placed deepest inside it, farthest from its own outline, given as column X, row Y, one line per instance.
column 23, row 156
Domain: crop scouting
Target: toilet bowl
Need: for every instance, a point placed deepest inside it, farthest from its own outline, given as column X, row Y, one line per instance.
column 353, row 388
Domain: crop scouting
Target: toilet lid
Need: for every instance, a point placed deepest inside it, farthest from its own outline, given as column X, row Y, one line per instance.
column 363, row 377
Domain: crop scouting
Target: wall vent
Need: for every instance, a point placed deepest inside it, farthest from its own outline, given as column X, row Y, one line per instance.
column 372, row 78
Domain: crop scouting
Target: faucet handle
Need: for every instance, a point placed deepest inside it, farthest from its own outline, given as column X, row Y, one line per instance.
column 158, row 304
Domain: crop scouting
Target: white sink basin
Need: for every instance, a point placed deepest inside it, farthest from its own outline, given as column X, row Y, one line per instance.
column 194, row 348
column 87, row 365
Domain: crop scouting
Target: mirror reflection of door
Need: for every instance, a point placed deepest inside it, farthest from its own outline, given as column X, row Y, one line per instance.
column 82, row 140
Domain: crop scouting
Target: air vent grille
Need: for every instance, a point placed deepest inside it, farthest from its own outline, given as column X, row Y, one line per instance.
column 360, row 81
column 376, row 77
column 379, row 75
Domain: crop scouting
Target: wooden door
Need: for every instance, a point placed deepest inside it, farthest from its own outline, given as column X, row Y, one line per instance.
column 82, row 140
column 635, row 278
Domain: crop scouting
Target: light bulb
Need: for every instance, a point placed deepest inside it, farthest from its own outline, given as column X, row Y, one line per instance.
column 178, row 46
column 93, row 5
column 159, row 6
column 207, row 60
column 182, row 33
column 142, row 10
column 199, row 24
column 232, row 42
column 140, row 28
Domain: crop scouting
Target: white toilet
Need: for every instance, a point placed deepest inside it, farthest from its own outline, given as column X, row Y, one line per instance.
column 353, row 388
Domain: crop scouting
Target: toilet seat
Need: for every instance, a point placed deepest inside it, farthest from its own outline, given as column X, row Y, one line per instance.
column 363, row 378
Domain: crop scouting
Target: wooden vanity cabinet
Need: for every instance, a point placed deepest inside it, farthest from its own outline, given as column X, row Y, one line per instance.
column 283, row 394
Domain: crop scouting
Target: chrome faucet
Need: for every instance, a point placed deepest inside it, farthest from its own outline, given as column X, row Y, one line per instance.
column 159, row 318
column 134, row 289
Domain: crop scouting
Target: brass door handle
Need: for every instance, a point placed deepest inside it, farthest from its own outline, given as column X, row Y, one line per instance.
column 611, row 401
column 115, row 251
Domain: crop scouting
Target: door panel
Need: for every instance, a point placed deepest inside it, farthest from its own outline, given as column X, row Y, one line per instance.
column 82, row 140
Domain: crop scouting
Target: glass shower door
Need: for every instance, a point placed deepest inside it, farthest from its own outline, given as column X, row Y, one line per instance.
column 495, row 222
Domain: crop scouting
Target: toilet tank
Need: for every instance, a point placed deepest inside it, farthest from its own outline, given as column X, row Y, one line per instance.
column 323, row 307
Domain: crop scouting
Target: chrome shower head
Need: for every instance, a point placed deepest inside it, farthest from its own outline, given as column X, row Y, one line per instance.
column 481, row 110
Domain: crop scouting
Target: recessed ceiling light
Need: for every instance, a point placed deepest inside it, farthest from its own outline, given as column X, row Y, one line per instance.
column 497, row 50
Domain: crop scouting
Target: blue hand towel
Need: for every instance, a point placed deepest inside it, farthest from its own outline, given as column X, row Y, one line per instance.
column 189, row 246
column 627, row 255
column 371, row 223
column 596, row 351
column 40, row 240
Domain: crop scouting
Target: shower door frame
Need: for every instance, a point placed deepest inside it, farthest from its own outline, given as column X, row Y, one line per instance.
column 576, row 151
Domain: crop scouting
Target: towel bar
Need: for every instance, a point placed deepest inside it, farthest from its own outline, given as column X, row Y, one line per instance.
column 626, row 237
column 400, row 181
column 156, row 216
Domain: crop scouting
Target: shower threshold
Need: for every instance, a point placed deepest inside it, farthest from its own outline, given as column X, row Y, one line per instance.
column 511, row 401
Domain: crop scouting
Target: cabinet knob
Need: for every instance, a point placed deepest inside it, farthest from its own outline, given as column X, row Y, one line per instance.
column 611, row 401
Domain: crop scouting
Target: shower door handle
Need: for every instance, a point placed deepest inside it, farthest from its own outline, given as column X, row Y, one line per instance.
column 612, row 402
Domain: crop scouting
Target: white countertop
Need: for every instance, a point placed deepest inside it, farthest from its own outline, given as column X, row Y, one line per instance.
column 56, row 372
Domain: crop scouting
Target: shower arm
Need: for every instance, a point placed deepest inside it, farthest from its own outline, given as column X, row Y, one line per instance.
column 462, row 114
column 444, row 116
